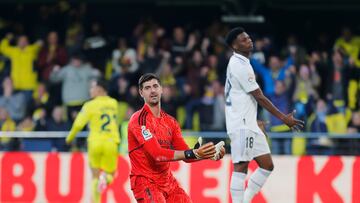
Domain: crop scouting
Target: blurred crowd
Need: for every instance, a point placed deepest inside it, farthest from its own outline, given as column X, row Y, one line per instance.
column 45, row 78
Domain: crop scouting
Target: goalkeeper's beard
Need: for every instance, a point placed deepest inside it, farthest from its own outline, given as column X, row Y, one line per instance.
column 153, row 103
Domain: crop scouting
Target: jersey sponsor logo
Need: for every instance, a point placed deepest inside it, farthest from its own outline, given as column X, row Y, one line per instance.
column 164, row 143
column 145, row 133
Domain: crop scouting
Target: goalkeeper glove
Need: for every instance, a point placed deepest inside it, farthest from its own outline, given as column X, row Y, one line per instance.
column 218, row 148
column 199, row 143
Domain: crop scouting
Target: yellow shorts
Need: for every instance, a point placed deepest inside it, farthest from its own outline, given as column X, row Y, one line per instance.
column 103, row 154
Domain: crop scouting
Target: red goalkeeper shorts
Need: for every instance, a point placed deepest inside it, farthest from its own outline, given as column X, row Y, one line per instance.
column 148, row 192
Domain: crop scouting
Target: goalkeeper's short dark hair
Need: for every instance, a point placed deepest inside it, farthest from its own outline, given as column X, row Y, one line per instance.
column 147, row 77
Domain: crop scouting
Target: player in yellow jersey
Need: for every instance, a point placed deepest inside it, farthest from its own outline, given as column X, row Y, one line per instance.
column 103, row 140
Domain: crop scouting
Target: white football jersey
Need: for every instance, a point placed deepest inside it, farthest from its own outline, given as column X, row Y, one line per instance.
column 241, row 106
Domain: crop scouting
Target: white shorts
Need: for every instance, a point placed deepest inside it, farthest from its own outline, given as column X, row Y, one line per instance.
column 247, row 145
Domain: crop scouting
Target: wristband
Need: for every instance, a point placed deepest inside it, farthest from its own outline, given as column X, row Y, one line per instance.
column 190, row 154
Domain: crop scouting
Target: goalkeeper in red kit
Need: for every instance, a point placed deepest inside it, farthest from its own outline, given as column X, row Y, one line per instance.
column 154, row 141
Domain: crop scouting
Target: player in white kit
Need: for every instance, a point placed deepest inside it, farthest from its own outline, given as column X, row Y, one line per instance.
column 248, row 142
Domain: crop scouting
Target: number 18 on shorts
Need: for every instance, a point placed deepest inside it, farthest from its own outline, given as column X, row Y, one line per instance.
column 247, row 144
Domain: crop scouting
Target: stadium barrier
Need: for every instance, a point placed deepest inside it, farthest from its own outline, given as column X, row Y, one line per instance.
column 65, row 177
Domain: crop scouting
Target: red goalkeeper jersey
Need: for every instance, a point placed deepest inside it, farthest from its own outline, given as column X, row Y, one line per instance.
column 151, row 144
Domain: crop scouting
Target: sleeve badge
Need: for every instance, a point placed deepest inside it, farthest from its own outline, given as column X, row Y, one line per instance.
column 146, row 133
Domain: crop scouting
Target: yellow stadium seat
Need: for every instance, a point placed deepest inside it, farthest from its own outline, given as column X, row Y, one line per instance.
column 123, row 106
column 196, row 122
column 298, row 145
column 108, row 70
column 336, row 123
column 181, row 115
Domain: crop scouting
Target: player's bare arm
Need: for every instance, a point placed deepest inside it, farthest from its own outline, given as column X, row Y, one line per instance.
column 288, row 119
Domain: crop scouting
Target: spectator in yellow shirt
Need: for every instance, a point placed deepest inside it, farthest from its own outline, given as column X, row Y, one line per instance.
column 22, row 57
column 349, row 45
column 7, row 124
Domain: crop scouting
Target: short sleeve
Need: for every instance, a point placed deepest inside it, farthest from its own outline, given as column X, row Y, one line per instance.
column 245, row 75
